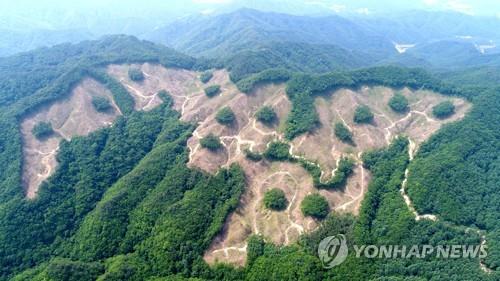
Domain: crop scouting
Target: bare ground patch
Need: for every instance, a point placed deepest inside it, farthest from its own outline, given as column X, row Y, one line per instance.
column 321, row 146
column 246, row 133
column 72, row 116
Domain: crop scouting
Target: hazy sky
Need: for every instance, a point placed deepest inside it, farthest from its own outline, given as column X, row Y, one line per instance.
column 56, row 14
column 477, row 7
column 131, row 7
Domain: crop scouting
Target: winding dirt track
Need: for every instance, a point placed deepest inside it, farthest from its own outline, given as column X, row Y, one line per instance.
column 321, row 146
column 73, row 116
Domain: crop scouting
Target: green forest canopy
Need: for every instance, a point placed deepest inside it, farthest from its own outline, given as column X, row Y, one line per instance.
column 135, row 211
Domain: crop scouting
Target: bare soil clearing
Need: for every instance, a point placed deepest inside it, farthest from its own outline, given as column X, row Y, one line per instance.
column 322, row 146
column 73, row 116
column 246, row 133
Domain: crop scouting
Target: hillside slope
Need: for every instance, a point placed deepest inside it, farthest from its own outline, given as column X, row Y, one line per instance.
column 239, row 30
column 142, row 199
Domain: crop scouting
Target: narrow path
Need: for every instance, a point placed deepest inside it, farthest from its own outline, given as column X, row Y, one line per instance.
column 409, row 204
column 362, row 181
column 233, row 248
column 411, row 153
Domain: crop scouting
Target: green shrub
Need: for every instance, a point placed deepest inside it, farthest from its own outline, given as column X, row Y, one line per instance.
column 314, row 205
column 254, row 156
column 135, row 74
column 278, row 151
column 42, row 130
column 443, row 110
column 255, row 248
column 212, row 91
column 303, row 116
column 398, row 103
column 65, row 269
column 363, row 114
column 211, row 142
column 273, row 75
column 342, row 132
column 225, row 116
column 206, row 76
column 101, row 104
column 266, row 115
column 275, row 199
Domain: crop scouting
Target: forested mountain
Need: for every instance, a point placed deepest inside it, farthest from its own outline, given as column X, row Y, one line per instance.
column 233, row 32
column 125, row 201
column 91, row 219
column 435, row 39
column 416, row 27
column 12, row 41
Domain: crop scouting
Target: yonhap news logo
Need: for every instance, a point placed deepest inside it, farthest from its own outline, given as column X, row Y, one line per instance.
column 333, row 250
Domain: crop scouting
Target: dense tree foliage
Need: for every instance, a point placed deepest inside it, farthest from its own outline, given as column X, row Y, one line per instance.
column 338, row 180
column 206, row 76
column 266, row 115
column 274, row 75
column 135, row 74
column 212, row 91
column 278, row 151
column 286, row 263
column 275, row 199
column 225, row 116
column 302, row 118
column 342, row 132
column 315, row 205
column 398, row 103
column 42, row 130
column 211, row 142
column 363, row 115
column 253, row 156
column 443, row 109
column 123, row 205
column 101, row 104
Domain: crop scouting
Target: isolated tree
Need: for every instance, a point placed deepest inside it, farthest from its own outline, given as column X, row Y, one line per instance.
column 211, row 142
column 253, row 156
column 342, row 132
column 266, row 115
column 42, row 130
column 315, row 205
column 398, row 103
column 135, row 74
column 101, row 104
column 225, row 116
column 443, row 110
column 277, row 151
column 206, row 76
column 212, row 91
column 363, row 114
column 275, row 199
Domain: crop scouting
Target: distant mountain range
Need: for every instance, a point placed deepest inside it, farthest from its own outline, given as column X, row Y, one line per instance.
column 415, row 38
column 436, row 40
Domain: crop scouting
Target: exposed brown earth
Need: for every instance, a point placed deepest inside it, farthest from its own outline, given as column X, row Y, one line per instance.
column 322, row 146
column 73, row 116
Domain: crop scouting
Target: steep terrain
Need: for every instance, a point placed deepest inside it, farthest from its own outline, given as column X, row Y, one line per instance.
column 248, row 133
column 247, row 28
column 139, row 198
column 70, row 117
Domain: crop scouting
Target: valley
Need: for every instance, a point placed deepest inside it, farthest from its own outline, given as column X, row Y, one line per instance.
column 321, row 146
column 236, row 140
